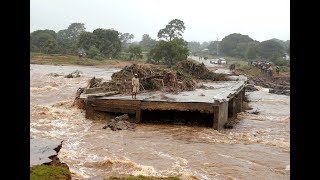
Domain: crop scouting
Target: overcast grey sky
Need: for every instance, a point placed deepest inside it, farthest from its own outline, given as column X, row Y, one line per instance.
column 205, row 20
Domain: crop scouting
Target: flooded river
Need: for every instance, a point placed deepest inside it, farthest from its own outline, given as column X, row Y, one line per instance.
column 258, row 147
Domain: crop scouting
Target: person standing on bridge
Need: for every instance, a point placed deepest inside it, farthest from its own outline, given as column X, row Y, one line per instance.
column 135, row 86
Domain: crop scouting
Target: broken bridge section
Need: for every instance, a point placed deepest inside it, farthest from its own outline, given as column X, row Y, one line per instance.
column 216, row 102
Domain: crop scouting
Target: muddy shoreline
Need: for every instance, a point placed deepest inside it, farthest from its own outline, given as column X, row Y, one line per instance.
column 276, row 85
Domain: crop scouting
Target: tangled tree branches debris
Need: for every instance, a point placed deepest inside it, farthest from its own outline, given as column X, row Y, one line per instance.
column 277, row 85
column 182, row 77
column 191, row 69
column 74, row 74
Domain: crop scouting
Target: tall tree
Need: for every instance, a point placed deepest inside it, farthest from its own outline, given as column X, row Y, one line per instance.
column 174, row 49
column 174, row 29
column 135, row 51
column 147, row 42
column 108, row 42
column 74, row 30
column 63, row 41
column 68, row 38
column 42, row 40
column 252, row 50
column 169, row 52
column 234, row 44
column 126, row 39
column 86, row 40
column 93, row 52
column 213, row 47
column 271, row 49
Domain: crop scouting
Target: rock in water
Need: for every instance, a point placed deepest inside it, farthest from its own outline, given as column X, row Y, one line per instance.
column 250, row 88
column 120, row 123
column 74, row 74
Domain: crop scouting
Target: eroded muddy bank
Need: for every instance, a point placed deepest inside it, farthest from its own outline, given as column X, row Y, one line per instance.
column 276, row 85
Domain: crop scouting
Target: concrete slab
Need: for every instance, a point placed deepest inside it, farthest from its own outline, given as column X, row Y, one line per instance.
column 41, row 149
column 219, row 91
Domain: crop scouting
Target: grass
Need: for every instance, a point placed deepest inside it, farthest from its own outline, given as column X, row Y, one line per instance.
column 140, row 177
column 58, row 59
column 242, row 67
column 46, row 172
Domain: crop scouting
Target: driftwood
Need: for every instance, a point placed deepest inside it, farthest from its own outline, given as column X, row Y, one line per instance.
column 78, row 93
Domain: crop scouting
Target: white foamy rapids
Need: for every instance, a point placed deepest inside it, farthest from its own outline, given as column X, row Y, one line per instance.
column 262, row 88
column 41, row 89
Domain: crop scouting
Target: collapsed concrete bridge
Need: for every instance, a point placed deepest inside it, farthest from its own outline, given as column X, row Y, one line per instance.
column 217, row 101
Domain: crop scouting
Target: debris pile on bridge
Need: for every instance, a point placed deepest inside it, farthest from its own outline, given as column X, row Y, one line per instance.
column 181, row 77
column 190, row 69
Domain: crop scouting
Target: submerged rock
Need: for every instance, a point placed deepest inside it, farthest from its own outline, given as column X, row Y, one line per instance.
column 250, row 88
column 74, row 74
column 54, row 74
column 120, row 123
column 254, row 111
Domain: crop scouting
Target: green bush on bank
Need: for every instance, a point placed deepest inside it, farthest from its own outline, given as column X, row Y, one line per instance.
column 46, row 172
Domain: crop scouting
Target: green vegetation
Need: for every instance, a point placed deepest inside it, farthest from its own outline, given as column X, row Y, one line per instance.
column 242, row 46
column 168, row 52
column 108, row 42
column 75, row 39
column 43, row 41
column 46, row 172
column 58, row 59
column 140, row 177
column 270, row 49
column 242, row 67
column 125, row 40
column 235, row 45
column 174, row 48
column 147, row 42
column 173, row 29
column 135, row 52
column 94, row 52
column 104, row 44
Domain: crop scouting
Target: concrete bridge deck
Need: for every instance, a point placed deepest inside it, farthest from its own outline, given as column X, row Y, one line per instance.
column 220, row 99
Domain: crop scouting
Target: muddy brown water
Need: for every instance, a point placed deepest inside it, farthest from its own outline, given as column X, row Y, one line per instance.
column 258, row 147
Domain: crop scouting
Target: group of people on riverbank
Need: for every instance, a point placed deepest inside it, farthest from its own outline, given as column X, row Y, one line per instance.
column 265, row 67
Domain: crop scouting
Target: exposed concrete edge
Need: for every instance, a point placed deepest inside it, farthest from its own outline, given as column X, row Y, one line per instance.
column 43, row 150
column 231, row 95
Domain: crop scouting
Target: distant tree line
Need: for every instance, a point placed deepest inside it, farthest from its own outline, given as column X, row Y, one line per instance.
column 101, row 43
column 169, row 49
column 242, row 46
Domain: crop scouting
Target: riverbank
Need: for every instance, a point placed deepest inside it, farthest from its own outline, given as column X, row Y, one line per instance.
column 69, row 60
